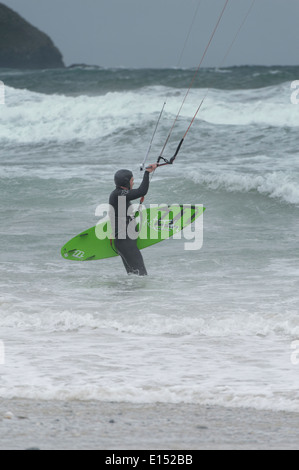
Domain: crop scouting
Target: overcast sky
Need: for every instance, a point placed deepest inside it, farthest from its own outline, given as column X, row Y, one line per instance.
column 151, row 33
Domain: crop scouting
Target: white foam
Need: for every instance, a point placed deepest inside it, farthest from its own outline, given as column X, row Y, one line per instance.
column 72, row 333
column 264, row 107
column 215, row 320
column 30, row 117
column 274, row 184
column 146, row 369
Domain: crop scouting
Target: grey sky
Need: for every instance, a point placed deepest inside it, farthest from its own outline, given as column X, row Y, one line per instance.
column 151, row 33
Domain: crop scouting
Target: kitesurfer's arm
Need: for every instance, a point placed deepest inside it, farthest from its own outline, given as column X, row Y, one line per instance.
column 143, row 188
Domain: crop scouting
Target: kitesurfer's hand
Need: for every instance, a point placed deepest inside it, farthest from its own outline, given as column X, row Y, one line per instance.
column 151, row 168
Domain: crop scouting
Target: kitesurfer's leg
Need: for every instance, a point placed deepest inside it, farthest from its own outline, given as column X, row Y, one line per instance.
column 131, row 256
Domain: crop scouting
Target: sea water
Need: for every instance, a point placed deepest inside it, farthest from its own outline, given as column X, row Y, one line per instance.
column 217, row 325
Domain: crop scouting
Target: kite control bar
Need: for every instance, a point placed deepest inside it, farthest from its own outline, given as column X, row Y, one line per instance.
column 170, row 162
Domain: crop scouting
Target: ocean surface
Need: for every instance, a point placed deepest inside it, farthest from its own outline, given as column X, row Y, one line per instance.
column 215, row 326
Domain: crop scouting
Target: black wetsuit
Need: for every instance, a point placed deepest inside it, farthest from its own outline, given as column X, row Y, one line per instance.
column 120, row 199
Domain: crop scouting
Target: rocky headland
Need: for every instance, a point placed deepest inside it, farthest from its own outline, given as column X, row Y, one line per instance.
column 23, row 46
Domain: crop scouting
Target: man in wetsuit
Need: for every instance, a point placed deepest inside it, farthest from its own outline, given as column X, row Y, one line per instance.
column 120, row 199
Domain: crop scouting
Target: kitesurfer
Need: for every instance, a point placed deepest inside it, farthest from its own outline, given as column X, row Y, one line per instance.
column 121, row 216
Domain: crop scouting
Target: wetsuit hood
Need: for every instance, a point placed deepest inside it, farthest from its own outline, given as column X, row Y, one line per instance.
column 122, row 178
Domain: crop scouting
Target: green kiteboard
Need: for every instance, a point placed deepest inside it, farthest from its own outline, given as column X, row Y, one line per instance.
column 153, row 224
